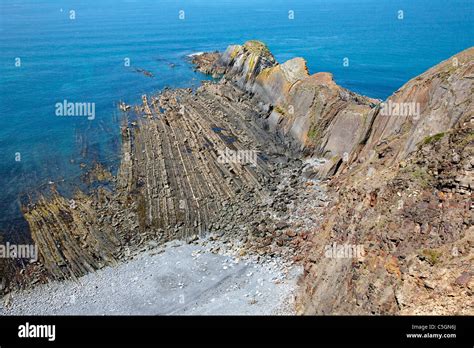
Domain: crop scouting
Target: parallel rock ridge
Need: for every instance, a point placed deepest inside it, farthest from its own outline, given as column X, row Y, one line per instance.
column 193, row 162
column 326, row 120
column 400, row 179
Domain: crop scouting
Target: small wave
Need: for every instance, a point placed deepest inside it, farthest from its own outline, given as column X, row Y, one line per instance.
column 195, row 54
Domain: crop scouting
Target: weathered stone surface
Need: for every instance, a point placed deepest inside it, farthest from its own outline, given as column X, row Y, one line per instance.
column 444, row 95
column 172, row 184
column 402, row 187
column 311, row 111
column 405, row 196
column 329, row 121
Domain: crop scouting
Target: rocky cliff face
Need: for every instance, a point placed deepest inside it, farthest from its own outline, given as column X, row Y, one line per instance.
column 439, row 99
column 414, row 222
column 401, row 182
column 311, row 112
column 328, row 121
column 404, row 194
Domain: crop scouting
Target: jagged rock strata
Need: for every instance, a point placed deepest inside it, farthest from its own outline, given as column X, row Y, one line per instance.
column 172, row 182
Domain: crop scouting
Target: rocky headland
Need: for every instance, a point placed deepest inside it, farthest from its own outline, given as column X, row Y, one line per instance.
column 332, row 168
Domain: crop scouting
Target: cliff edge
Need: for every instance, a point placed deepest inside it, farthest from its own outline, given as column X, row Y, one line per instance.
column 400, row 177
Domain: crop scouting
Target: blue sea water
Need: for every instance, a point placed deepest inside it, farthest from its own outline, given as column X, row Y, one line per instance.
column 82, row 60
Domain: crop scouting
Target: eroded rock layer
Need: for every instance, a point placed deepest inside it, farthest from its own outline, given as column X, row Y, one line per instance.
column 193, row 162
column 180, row 176
column 414, row 222
column 405, row 195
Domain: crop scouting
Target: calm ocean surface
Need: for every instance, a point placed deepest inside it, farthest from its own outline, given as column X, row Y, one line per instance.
column 82, row 60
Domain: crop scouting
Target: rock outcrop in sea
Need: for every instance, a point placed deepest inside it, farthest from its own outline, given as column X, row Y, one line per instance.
column 331, row 168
